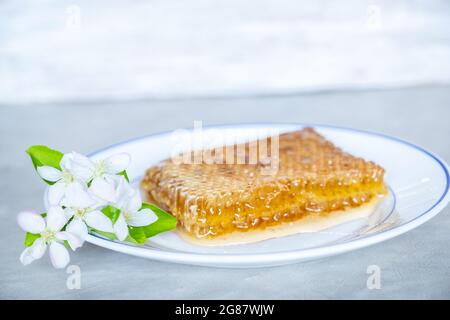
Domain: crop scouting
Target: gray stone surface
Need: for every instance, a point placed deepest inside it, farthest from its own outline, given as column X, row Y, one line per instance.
column 415, row 265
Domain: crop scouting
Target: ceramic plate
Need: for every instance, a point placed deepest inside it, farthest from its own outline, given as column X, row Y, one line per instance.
column 418, row 181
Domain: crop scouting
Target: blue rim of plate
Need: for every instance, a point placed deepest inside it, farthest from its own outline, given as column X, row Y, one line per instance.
column 268, row 124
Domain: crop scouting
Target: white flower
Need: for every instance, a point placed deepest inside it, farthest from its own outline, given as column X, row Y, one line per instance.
column 51, row 236
column 130, row 203
column 102, row 175
column 84, row 211
column 73, row 170
column 104, row 189
column 76, row 168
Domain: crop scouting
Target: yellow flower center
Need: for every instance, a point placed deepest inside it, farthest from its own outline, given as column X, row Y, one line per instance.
column 67, row 177
column 81, row 213
column 100, row 169
column 48, row 236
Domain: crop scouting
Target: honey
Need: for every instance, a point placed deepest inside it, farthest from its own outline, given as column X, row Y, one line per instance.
column 313, row 178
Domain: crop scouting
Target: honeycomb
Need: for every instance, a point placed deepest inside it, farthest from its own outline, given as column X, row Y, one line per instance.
column 314, row 177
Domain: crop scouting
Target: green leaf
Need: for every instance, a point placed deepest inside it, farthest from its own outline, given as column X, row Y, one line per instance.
column 44, row 156
column 131, row 240
column 125, row 174
column 30, row 238
column 112, row 213
column 165, row 222
column 137, row 235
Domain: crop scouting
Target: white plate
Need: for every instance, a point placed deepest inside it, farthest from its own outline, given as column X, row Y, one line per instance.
column 418, row 182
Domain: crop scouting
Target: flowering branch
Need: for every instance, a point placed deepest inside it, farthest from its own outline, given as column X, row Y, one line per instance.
column 85, row 196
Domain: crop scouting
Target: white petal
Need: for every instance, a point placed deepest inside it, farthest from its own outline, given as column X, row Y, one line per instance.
column 78, row 165
column 38, row 248
column 31, row 222
column 36, row 251
column 99, row 221
column 117, row 163
column 27, row 257
column 99, row 203
column 82, row 160
column 74, row 241
column 77, row 196
column 82, row 172
column 49, row 173
column 103, row 190
column 59, row 255
column 69, row 213
column 135, row 202
column 123, row 192
column 66, row 161
column 142, row 218
column 121, row 228
column 56, row 218
column 78, row 228
column 55, row 194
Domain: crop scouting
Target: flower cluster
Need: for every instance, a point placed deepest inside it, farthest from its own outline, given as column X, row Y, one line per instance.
column 85, row 196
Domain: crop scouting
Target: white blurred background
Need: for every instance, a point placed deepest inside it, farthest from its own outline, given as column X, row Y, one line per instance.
column 107, row 50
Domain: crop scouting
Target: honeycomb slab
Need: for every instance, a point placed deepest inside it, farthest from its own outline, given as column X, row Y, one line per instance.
column 314, row 181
